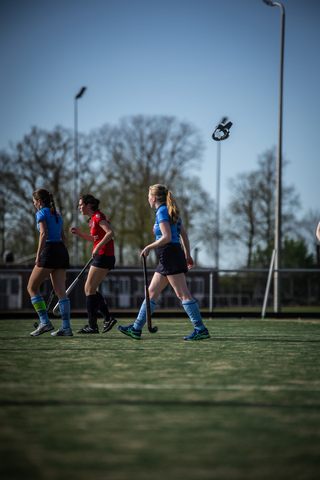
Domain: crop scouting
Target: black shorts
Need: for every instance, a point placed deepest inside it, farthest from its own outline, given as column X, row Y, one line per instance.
column 172, row 259
column 55, row 255
column 104, row 261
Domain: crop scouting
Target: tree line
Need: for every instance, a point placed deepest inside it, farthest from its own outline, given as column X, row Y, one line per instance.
column 118, row 163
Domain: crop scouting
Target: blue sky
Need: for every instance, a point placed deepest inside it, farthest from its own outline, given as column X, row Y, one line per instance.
column 198, row 60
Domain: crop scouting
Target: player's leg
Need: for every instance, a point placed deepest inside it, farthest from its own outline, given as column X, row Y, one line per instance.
column 58, row 279
column 158, row 283
column 95, row 277
column 37, row 277
column 108, row 320
column 179, row 284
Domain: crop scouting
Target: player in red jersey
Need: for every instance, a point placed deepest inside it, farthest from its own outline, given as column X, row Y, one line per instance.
column 101, row 235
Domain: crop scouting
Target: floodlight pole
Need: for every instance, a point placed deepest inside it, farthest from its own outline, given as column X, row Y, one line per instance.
column 223, row 121
column 218, row 205
column 278, row 215
column 76, row 175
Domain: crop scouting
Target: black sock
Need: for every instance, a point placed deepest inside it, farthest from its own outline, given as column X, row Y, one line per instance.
column 102, row 306
column 91, row 303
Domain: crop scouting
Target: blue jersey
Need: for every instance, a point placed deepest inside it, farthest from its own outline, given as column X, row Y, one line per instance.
column 54, row 227
column 162, row 215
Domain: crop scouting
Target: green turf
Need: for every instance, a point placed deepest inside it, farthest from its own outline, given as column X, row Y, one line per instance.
column 244, row 404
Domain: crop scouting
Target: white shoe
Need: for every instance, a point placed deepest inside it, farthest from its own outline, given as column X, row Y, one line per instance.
column 42, row 328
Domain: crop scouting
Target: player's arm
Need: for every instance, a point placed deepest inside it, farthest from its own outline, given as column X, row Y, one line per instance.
column 109, row 234
column 186, row 246
column 63, row 237
column 318, row 232
column 163, row 240
column 85, row 236
column 42, row 241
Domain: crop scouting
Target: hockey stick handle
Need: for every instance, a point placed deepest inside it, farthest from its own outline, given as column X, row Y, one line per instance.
column 146, row 291
column 49, row 301
column 147, row 298
column 56, row 310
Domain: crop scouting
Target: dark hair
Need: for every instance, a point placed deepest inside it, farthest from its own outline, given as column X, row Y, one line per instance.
column 163, row 195
column 47, row 199
column 90, row 200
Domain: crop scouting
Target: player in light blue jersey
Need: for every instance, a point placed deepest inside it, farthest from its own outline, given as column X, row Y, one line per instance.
column 52, row 259
column 174, row 262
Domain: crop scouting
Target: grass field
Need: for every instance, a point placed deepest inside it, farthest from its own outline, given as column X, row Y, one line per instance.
column 244, row 404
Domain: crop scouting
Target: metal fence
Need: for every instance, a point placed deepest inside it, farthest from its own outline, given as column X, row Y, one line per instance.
column 224, row 289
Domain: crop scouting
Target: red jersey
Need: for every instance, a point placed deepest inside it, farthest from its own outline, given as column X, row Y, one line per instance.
column 98, row 233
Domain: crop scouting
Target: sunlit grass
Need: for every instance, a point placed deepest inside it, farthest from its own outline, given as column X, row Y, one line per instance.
column 243, row 404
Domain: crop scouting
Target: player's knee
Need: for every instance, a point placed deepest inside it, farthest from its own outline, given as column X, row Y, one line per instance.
column 31, row 290
column 184, row 297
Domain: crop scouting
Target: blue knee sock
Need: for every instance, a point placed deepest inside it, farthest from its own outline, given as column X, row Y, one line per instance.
column 40, row 307
column 142, row 316
column 192, row 309
column 64, row 306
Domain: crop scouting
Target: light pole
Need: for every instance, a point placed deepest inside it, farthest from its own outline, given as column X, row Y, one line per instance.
column 278, row 213
column 221, row 132
column 218, row 206
column 76, row 174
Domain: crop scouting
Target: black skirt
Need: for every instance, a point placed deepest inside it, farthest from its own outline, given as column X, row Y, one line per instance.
column 104, row 261
column 55, row 255
column 172, row 259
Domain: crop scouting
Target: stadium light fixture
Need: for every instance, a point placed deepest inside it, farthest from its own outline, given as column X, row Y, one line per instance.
column 271, row 4
column 278, row 213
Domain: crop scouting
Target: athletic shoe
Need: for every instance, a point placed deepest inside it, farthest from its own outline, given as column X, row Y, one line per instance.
column 88, row 329
column 132, row 332
column 62, row 332
column 198, row 335
column 108, row 324
column 42, row 328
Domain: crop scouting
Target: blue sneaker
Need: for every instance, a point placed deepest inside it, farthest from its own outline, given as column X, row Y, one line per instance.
column 198, row 335
column 132, row 332
column 63, row 332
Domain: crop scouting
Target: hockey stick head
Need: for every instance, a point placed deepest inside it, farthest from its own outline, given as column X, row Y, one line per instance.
column 150, row 327
column 222, row 131
column 56, row 310
column 153, row 329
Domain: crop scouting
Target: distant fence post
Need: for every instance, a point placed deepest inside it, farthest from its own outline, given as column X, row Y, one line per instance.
column 211, row 294
column 268, row 285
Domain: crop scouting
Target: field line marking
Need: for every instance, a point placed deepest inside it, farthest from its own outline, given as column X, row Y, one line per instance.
column 133, row 386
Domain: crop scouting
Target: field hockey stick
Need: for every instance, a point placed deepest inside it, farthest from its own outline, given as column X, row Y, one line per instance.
column 56, row 310
column 222, row 131
column 146, row 290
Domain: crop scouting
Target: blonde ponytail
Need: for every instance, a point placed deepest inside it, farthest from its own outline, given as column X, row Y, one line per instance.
column 163, row 195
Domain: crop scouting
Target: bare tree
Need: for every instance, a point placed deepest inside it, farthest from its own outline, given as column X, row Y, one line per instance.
column 244, row 219
column 41, row 160
column 306, row 229
column 251, row 217
column 8, row 184
column 142, row 151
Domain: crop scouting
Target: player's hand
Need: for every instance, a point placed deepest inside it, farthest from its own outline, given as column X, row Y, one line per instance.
column 318, row 232
column 145, row 252
column 95, row 252
column 38, row 262
column 190, row 262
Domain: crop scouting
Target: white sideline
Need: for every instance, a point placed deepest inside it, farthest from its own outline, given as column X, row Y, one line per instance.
column 132, row 386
